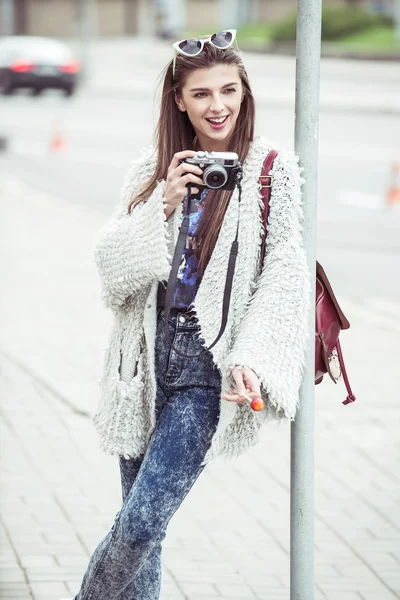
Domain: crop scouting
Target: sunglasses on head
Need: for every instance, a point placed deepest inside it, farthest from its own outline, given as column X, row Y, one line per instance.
column 221, row 40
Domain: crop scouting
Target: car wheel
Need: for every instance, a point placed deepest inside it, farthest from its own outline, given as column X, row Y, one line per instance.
column 6, row 87
column 69, row 90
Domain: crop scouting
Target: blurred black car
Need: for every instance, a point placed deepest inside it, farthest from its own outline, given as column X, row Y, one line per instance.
column 37, row 63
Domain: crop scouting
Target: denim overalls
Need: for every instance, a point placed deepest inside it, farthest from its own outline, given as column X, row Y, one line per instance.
column 126, row 565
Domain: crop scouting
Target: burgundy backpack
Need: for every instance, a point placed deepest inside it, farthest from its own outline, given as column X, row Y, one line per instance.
column 329, row 317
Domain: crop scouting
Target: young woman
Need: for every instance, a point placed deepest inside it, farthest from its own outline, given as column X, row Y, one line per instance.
column 164, row 416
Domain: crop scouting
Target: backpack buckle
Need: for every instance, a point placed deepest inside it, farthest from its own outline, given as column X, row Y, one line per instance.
column 266, row 177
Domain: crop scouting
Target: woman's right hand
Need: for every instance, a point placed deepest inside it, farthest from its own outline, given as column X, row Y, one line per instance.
column 179, row 174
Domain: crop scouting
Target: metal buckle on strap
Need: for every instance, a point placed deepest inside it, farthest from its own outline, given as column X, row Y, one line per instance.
column 270, row 177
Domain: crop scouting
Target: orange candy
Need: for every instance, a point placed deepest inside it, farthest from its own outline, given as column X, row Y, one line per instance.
column 257, row 404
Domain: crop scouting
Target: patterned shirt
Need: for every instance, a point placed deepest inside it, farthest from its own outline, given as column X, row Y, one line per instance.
column 188, row 278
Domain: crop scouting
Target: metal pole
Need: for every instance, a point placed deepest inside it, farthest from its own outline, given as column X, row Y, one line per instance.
column 308, row 51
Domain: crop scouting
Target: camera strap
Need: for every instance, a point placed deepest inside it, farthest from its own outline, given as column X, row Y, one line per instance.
column 176, row 261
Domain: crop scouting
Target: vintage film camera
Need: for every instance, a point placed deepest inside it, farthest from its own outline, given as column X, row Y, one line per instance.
column 221, row 170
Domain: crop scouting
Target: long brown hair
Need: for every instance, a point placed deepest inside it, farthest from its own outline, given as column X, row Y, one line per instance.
column 174, row 133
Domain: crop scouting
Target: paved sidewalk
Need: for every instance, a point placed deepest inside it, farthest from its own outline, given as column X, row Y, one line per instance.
column 230, row 538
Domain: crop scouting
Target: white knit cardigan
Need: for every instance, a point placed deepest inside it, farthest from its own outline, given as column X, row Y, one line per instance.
column 267, row 322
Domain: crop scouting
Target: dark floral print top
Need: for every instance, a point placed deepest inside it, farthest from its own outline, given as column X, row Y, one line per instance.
column 188, row 278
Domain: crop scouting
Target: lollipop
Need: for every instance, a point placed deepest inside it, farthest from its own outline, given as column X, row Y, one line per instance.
column 256, row 403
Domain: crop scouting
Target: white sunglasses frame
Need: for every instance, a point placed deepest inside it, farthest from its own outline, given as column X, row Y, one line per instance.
column 203, row 41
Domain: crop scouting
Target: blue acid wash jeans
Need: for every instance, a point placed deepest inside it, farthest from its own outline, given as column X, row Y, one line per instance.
column 126, row 565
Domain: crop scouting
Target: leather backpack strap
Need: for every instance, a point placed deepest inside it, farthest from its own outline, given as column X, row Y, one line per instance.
column 350, row 396
column 266, row 184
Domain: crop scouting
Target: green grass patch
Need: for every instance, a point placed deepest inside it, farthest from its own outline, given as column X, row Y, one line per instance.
column 254, row 34
column 378, row 39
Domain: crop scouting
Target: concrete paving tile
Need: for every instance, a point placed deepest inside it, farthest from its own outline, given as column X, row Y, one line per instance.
column 198, row 588
column 382, row 595
column 52, row 573
column 15, row 575
column 266, row 586
column 343, row 596
column 235, row 591
column 38, row 561
column 275, row 593
column 20, row 595
column 74, row 559
column 174, row 595
column 352, row 586
column 16, row 596
column 9, row 564
column 47, row 590
column 209, row 576
column 11, row 588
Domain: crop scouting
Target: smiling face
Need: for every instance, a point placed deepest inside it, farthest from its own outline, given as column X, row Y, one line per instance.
column 212, row 98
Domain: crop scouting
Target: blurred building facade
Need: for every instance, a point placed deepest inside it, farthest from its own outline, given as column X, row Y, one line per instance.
column 60, row 18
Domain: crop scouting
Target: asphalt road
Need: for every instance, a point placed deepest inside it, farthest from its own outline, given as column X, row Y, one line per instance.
column 358, row 237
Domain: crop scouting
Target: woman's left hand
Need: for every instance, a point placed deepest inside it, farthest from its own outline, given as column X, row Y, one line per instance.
column 246, row 382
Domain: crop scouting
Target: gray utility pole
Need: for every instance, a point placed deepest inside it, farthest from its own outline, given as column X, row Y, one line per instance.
column 308, row 51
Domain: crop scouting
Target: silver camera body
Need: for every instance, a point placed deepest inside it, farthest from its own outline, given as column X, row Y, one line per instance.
column 221, row 170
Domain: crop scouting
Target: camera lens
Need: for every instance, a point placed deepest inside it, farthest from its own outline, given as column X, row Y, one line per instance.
column 215, row 176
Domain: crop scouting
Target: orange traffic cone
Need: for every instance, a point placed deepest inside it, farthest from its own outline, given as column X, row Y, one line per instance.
column 393, row 191
column 57, row 142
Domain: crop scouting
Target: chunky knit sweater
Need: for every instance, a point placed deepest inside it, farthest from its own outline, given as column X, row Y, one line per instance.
column 267, row 323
